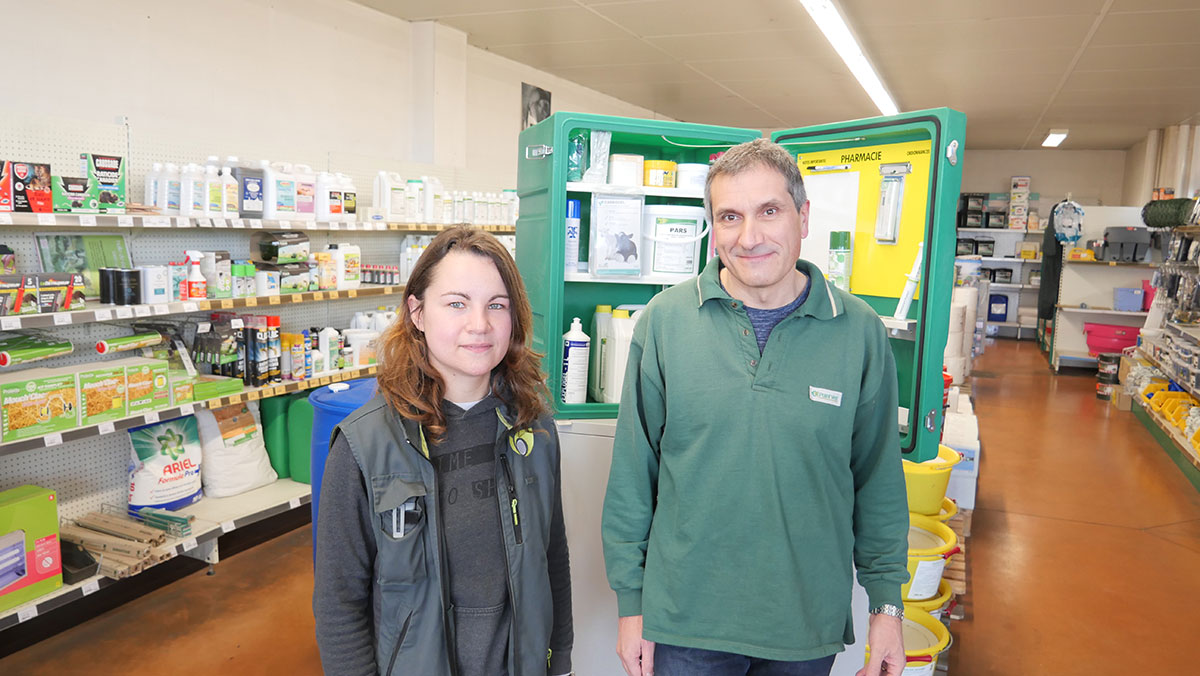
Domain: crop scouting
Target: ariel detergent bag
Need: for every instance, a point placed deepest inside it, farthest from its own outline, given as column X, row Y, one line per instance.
column 164, row 469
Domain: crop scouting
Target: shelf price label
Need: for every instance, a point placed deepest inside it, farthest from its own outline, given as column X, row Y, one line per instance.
column 252, row 302
column 46, row 219
column 5, row 218
column 227, row 526
column 62, row 318
column 106, row 428
column 87, row 220
column 190, row 544
column 10, row 323
column 238, row 224
column 156, row 222
column 141, row 310
column 161, row 308
column 187, row 409
column 285, row 225
column 319, row 295
column 202, row 222
column 272, row 300
column 52, row 439
column 256, row 224
column 333, row 225
column 191, row 307
column 124, row 312
column 352, row 226
column 220, row 223
column 151, row 417
column 26, row 613
column 91, row 587
column 352, row 293
column 294, row 503
column 125, row 221
column 184, row 222
column 103, row 315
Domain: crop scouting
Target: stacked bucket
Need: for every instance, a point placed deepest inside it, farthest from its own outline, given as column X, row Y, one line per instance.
column 930, row 544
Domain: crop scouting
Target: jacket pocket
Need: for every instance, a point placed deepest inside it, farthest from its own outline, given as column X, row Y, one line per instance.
column 399, row 642
column 400, row 516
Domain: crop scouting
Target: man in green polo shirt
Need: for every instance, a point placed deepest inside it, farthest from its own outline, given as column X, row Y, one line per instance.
column 757, row 456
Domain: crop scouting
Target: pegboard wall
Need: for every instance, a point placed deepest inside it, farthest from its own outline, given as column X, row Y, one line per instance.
column 91, row 472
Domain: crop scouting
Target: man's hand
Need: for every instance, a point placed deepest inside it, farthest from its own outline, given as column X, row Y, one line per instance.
column 636, row 653
column 886, row 639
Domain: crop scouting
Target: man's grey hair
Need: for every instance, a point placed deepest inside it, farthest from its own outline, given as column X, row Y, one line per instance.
column 759, row 152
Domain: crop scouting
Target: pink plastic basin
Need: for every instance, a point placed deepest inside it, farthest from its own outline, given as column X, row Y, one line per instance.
column 1102, row 338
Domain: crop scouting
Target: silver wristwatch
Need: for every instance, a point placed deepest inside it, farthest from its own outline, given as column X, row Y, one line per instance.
column 888, row 609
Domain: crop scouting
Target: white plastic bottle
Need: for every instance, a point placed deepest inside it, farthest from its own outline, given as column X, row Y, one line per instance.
column 229, row 189
column 306, row 191
column 270, row 190
column 197, row 285
column 458, row 207
column 616, row 355
column 576, row 345
column 572, row 235
column 511, row 204
column 192, row 198
column 447, row 207
column 280, row 201
column 329, row 197
column 212, row 189
column 601, row 333
column 381, row 198
column 153, row 178
column 414, row 200
column 347, row 259
column 427, row 199
column 349, row 198
column 170, row 187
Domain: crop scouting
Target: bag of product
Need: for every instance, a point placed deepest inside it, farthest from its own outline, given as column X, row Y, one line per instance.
column 235, row 455
column 164, row 470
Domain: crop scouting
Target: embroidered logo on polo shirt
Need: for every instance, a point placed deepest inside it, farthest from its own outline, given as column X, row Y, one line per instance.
column 823, row 396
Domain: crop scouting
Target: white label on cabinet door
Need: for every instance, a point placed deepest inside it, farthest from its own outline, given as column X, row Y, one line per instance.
column 87, row 220
column 227, row 526
column 10, row 323
column 294, row 503
column 27, row 613
column 190, row 544
column 46, row 219
column 103, row 315
column 106, row 428
column 91, row 587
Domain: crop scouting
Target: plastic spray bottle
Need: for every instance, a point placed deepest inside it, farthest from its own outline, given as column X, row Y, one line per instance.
column 197, row 286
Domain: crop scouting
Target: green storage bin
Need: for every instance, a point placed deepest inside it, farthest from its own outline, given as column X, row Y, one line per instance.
column 299, row 424
column 274, row 414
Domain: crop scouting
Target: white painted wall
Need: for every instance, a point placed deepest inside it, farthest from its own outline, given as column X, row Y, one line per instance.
column 1091, row 176
column 1140, row 163
column 324, row 82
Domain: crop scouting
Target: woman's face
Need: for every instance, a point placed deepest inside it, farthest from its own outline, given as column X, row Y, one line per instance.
column 466, row 321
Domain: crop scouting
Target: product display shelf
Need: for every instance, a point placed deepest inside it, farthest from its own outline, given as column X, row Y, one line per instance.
column 155, row 221
column 635, row 190
column 214, row 517
column 1136, row 264
column 995, row 231
column 1102, row 311
column 1186, row 455
column 99, row 312
column 1012, row 287
column 1014, row 325
column 993, row 259
column 149, row 417
column 1080, row 358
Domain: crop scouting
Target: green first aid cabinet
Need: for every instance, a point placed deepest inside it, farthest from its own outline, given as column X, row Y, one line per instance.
column 893, row 182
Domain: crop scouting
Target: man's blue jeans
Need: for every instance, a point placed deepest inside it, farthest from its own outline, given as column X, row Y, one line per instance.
column 672, row 660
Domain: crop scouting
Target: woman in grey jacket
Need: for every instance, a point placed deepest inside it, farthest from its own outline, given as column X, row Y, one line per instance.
column 441, row 549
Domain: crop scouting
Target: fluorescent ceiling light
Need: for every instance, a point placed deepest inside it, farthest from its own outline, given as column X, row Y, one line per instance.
column 831, row 23
column 1054, row 138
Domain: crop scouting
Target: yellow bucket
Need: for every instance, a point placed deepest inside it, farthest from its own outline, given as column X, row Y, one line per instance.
column 659, row 174
column 930, row 543
column 949, row 509
column 924, row 639
column 935, row 605
column 926, row 481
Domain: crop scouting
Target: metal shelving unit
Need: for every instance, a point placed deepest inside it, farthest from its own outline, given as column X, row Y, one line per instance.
column 155, row 221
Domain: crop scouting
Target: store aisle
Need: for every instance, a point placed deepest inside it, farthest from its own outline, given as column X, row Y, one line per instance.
column 1085, row 545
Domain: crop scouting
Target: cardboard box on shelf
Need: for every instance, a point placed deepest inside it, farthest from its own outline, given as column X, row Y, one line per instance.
column 60, row 291
column 102, row 396
column 146, row 384
column 106, row 173
column 36, row 402
column 6, row 185
column 18, row 295
column 30, row 561
column 74, row 196
column 31, row 190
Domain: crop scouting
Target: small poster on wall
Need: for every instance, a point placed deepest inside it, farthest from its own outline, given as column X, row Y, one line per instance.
column 535, row 105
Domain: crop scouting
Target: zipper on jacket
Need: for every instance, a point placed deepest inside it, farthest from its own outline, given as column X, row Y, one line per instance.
column 399, row 642
column 512, row 497
column 444, row 577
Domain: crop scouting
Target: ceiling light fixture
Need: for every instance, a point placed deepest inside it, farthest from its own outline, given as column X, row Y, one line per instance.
column 1054, row 138
column 831, row 23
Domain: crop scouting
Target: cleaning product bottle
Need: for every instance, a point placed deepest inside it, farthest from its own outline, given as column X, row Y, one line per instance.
column 349, row 199
column 150, row 193
column 308, row 355
column 468, row 208
column 329, row 197
column 573, row 225
column 601, row 329
column 280, row 196
column 306, row 192
column 191, row 191
column 169, row 189
column 285, row 356
column 390, row 196
column 616, row 355
column 347, row 260
column 212, row 190
column 274, row 347
column 458, row 206
column 327, row 342
column 575, row 364
column 229, row 191
column 414, row 201
column 511, row 206
column 197, row 285
column 251, row 190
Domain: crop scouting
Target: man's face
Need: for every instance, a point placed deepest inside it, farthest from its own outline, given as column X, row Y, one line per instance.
column 757, row 228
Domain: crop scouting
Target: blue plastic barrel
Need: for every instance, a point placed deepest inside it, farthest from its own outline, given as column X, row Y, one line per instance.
column 331, row 404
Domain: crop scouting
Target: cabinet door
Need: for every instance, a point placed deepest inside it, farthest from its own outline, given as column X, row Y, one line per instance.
column 893, row 182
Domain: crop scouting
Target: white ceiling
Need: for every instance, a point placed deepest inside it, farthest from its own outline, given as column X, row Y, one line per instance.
column 1108, row 70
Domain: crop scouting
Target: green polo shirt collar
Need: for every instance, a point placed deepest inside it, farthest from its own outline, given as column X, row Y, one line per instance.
column 821, row 303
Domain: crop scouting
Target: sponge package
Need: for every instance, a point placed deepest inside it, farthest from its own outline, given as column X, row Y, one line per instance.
column 235, row 455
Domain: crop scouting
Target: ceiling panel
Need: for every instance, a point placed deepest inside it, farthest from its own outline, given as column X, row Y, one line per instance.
column 994, row 137
column 1150, row 5
column 786, row 72
column 873, row 12
column 643, row 73
column 689, row 17
column 1152, row 114
column 1102, row 136
column 1137, row 57
column 753, row 44
column 566, row 24
column 419, row 10
column 1132, row 79
column 1141, row 95
column 576, row 54
column 1149, row 28
column 973, row 36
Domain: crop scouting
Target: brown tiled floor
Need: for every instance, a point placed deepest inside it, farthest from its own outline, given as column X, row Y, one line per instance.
column 1085, row 545
column 1084, row 559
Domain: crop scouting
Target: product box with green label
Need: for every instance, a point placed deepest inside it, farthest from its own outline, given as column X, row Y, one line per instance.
column 102, row 393
column 74, row 196
column 212, row 387
column 146, row 384
column 30, row 560
column 36, row 402
column 107, row 174
column 183, row 387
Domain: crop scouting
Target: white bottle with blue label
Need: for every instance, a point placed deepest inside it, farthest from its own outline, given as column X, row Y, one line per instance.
column 573, row 225
column 576, row 346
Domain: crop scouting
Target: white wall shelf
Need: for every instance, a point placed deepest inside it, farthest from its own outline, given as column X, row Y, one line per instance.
column 1013, row 287
column 147, row 221
column 1101, row 311
column 634, row 190
column 106, row 312
column 653, row 279
column 1015, row 261
column 214, row 517
column 994, row 231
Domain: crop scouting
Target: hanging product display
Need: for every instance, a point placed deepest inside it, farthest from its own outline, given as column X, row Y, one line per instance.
column 891, row 201
column 1068, row 221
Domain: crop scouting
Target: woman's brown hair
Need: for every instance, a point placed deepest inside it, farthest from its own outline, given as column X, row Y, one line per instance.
column 408, row 380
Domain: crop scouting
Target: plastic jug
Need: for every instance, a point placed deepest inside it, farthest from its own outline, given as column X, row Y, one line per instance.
column 329, row 197
column 616, row 354
column 274, row 412
column 347, row 261
column 279, row 185
column 329, row 407
column 306, row 192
